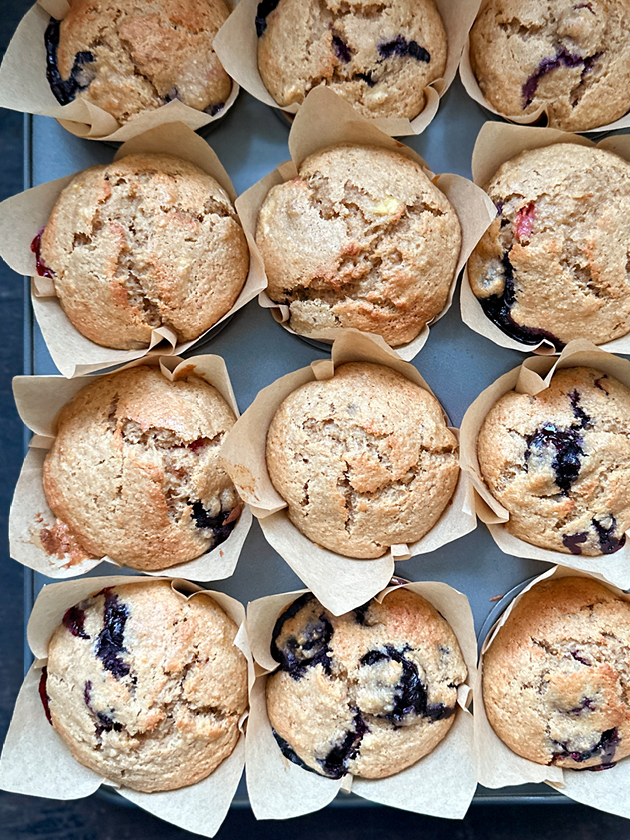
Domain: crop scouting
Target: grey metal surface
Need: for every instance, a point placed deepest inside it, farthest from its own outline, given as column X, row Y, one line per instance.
column 456, row 362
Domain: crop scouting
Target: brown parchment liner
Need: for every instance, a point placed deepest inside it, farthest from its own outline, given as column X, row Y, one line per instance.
column 39, row 399
column 326, row 119
column 474, row 91
column 497, row 143
column 532, row 377
column 24, row 87
column 340, row 583
column 236, row 44
column 23, row 215
column 36, row 761
column 279, row 789
column 497, row 766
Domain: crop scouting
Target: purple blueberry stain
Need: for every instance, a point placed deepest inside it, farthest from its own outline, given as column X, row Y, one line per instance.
column 81, row 75
column 288, row 752
column 605, row 746
column 213, row 109
column 573, row 542
column 335, row 765
column 294, row 656
column 43, row 695
column 36, row 247
column 567, row 447
column 580, row 658
column 110, row 641
column 360, row 613
column 74, row 620
column 401, row 47
column 263, row 10
column 341, row 49
column 578, row 411
column 221, row 525
column 608, row 542
column 105, row 722
column 563, row 58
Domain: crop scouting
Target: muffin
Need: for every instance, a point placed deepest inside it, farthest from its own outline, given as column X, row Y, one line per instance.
column 572, row 59
column 379, row 57
column 145, row 242
column 363, row 460
column 145, row 687
column 555, row 679
column 366, row 693
column 134, row 470
column 129, row 56
column 553, row 264
column 361, row 238
column 559, row 462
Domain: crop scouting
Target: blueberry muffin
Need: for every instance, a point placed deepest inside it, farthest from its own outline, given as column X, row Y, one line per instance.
column 134, row 470
column 555, row 679
column 559, row 462
column 366, row 693
column 364, row 460
column 129, row 56
column 571, row 58
column 147, row 241
column 361, row 238
column 146, row 688
column 553, row 264
column 379, row 57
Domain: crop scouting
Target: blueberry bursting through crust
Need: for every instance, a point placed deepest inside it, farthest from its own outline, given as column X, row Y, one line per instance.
column 81, row 75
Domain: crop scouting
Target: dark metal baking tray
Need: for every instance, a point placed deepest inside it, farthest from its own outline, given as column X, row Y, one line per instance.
column 250, row 141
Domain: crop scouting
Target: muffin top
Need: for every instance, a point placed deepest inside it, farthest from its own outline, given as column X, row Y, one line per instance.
column 129, row 56
column 559, row 462
column 134, row 471
column 555, row 679
column 572, row 58
column 367, row 693
column 553, row 264
column 147, row 241
column 146, row 687
column 361, row 238
column 379, row 56
column 364, row 460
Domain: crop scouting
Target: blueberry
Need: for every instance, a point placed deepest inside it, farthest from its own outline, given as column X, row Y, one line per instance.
column 221, row 525
column 296, row 657
column 401, row 47
column 65, row 90
column 335, row 765
column 605, row 746
column 360, row 612
column 578, row 412
column 288, row 752
column 498, row 309
column 264, row 9
column 106, row 723
column 110, row 642
column 36, row 248
column 567, row 444
column 608, row 542
column 74, row 619
column 213, row 109
column 342, row 50
column 562, row 57
column 43, row 696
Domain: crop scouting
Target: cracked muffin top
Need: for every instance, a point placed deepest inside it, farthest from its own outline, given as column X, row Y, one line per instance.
column 559, row 462
column 146, row 687
column 361, row 238
column 147, row 241
column 129, row 56
column 364, row 460
column 366, row 693
column 134, row 470
column 569, row 56
column 379, row 56
column 555, row 679
column 555, row 262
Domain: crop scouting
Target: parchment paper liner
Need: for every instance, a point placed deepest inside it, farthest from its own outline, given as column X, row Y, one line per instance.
column 528, row 379
column 340, row 583
column 279, row 789
column 326, row 119
column 23, row 215
column 497, row 766
column 39, row 400
column 24, row 87
column 236, row 44
column 36, row 761
column 474, row 91
column 496, row 143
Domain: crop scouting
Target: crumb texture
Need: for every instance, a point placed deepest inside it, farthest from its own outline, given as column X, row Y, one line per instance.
column 146, row 687
column 366, row 693
column 380, row 56
column 130, row 56
column 148, row 241
column 555, row 263
column 364, row 460
column 556, row 684
column 134, row 470
column 572, row 58
column 559, row 462
column 361, row 238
